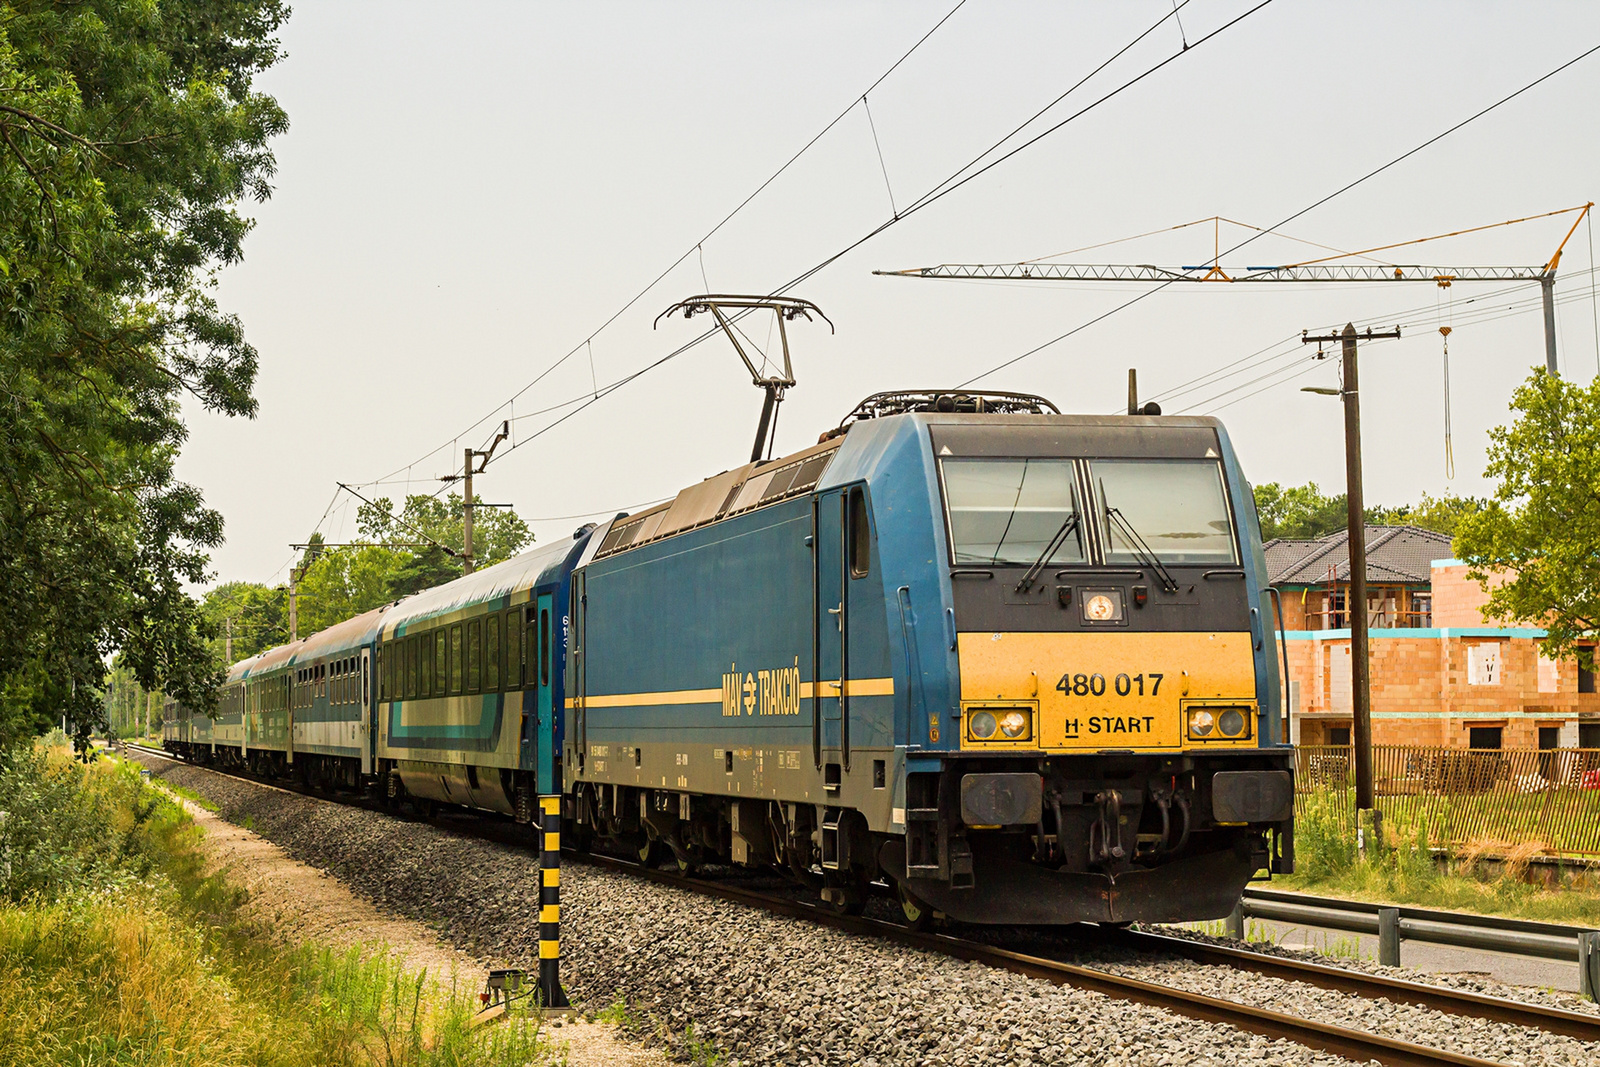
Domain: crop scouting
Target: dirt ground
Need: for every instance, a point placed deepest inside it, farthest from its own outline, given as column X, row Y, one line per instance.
column 303, row 904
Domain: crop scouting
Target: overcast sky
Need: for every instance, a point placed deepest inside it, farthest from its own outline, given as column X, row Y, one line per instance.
column 468, row 192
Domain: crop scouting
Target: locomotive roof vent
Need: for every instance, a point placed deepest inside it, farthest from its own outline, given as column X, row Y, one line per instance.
column 967, row 401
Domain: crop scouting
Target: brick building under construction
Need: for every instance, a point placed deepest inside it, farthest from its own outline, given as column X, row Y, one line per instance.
column 1441, row 674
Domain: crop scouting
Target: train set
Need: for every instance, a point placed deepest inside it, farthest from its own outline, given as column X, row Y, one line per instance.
column 1010, row 665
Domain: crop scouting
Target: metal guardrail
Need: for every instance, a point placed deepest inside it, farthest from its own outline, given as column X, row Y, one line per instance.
column 1394, row 925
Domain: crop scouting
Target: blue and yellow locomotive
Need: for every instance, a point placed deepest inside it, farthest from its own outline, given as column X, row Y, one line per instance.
column 1015, row 664
column 1011, row 665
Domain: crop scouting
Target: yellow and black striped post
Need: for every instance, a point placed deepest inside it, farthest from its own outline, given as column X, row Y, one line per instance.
column 551, row 995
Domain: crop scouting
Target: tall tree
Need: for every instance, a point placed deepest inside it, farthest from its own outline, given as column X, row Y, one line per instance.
column 130, row 133
column 1304, row 512
column 339, row 583
column 257, row 616
column 1536, row 547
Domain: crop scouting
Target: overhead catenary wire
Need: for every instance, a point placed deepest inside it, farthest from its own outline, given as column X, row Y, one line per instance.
column 956, row 180
column 1482, row 307
column 1369, row 175
column 697, row 246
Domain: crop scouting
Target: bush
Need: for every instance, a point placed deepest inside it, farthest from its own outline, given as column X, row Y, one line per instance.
column 117, row 948
column 67, row 827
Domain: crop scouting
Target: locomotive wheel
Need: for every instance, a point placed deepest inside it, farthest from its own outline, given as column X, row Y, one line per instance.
column 915, row 914
column 651, row 851
column 848, row 900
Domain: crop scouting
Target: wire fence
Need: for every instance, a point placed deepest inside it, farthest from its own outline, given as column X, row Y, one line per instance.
column 1547, row 799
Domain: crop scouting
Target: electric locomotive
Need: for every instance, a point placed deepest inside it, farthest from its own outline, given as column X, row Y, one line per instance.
column 1014, row 664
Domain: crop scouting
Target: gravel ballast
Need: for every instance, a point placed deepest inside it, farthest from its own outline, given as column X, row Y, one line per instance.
column 765, row 989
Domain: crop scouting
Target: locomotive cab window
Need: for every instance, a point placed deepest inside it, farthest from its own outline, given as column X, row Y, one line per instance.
column 1011, row 510
column 1178, row 507
column 860, row 534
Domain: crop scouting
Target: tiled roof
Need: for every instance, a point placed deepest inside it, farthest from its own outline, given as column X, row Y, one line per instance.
column 1394, row 554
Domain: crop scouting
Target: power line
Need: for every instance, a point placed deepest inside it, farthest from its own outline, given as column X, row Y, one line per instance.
column 937, row 192
column 774, row 176
column 1303, row 211
column 1406, row 317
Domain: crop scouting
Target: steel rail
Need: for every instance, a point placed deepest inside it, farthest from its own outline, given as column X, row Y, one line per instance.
column 1341, row 1041
column 1352, row 1044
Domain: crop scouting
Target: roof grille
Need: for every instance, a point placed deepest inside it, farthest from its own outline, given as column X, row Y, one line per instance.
column 964, row 401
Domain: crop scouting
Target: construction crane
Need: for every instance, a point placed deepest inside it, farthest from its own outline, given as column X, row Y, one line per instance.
column 1311, row 271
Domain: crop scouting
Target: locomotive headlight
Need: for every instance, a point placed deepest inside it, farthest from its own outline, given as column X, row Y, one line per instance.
column 1201, row 723
column 1231, row 722
column 1016, row 725
column 1102, row 605
column 982, row 725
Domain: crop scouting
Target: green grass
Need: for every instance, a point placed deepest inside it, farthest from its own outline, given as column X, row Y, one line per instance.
column 117, row 949
column 1404, row 871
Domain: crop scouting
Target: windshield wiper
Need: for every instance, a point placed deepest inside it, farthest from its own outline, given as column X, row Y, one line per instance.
column 1145, row 553
column 1069, row 524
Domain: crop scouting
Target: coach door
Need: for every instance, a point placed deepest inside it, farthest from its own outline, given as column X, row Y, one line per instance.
column 830, row 698
column 363, row 730
column 545, row 732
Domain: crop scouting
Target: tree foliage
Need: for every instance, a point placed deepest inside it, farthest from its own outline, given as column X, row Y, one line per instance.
column 130, row 133
column 1536, row 547
column 258, row 616
column 338, row 583
column 1303, row 512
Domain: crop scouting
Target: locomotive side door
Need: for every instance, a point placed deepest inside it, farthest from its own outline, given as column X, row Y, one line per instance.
column 830, row 728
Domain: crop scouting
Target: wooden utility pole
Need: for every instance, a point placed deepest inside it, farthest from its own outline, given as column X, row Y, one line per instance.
column 1356, row 598
column 294, row 605
column 470, row 465
column 227, row 653
column 466, row 513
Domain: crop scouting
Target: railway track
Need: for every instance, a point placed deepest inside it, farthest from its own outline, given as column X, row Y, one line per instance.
column 1353, row 1044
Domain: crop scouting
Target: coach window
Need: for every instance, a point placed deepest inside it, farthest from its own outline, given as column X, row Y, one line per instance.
column 860, row 538
column 474, row 656
column 455, row 660
column 514, row 648
column 428, row 687
column 441, row 662
column 491, row 654
column 382, row 661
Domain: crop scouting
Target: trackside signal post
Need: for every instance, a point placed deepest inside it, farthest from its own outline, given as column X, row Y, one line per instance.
column 1356, row 601
column 551, row 995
